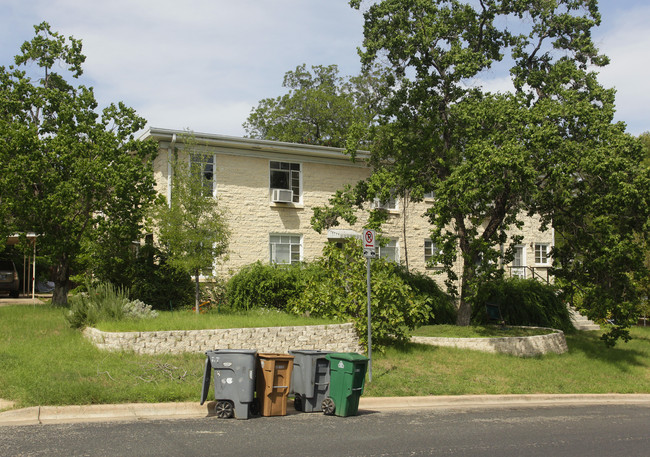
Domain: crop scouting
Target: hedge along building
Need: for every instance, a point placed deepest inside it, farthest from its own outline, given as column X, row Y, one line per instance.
column 268, row 190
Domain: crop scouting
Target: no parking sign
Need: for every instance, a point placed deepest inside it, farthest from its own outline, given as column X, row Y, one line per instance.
column 368, row 240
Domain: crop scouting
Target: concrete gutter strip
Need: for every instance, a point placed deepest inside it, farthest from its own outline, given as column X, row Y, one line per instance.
column 143, row 411
column 492, row 401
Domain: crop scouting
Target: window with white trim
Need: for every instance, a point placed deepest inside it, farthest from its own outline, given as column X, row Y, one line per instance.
column 430, row 250
column 203, row 165
column 542, row 251
column 390, row 251
column 519, row 262
column 430, row 195
column 389, row 205
column 287, row 176
column 285, row 249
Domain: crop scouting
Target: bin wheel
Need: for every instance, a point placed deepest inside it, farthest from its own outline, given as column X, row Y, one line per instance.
column 254, row 407
column 225, row 409
column 328, row 406
column 297, row 403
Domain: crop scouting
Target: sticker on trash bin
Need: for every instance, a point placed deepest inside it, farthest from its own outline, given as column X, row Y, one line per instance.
column 227, row 364
column 341, row 364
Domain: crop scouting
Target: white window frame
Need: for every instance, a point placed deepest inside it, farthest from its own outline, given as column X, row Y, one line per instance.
column 546, row 254
column 391, row 205
column 391, row 247
column 212, row 161
column 287, row 244
column 294, row 177
column 430, row 249
column 430, row 195
column 519, row 262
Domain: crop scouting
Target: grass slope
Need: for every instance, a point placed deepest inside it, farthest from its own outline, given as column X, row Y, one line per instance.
column 44, row 362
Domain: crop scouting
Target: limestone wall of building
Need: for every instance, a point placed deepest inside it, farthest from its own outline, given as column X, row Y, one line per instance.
column 243, row 191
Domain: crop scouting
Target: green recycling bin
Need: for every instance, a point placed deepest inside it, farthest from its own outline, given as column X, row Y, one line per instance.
column 347, row 378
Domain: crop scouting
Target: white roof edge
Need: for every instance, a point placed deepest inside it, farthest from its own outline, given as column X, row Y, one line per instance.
column 342, row 233
column 212, row 139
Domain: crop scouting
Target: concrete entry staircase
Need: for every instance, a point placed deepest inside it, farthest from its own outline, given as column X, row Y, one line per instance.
column 581, row 322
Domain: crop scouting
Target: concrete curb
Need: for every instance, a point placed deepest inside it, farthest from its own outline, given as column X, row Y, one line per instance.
column 142, row 411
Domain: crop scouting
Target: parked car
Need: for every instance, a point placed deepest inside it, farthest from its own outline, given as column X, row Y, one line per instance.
column 9, row 278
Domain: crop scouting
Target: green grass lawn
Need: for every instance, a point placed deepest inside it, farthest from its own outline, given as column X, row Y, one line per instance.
column 189, row 320
column 44, row 362
column 493, row 331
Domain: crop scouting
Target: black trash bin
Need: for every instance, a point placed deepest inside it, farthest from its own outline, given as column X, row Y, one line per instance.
column 234, row 381
column 310, row 380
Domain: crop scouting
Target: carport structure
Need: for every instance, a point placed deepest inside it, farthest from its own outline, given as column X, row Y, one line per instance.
column 29, row 261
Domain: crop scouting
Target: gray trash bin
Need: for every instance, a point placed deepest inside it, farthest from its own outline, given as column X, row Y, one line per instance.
column 234, row 381
column 310, row 379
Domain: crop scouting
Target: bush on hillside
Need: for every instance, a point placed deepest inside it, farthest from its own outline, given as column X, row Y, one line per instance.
column 263, row 286
column 336, row 288
column 104, row 302
column 443, row 308
column 523, row 302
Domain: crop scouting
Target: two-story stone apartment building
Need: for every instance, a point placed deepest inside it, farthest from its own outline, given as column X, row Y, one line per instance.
column 268, row 190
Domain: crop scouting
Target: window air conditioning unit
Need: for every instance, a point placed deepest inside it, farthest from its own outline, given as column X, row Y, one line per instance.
column 281, row 195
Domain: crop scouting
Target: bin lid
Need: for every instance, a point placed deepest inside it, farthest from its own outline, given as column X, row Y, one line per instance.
column 347, row 356
column 309, row 351
column 231, row 351
column 270, row 355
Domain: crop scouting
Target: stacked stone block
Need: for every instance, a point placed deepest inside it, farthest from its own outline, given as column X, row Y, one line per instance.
column 339, row 338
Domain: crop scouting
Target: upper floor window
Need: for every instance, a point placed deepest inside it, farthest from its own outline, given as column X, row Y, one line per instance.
column 541, row 254
column 203, row 166
column 285, row 248
column 430, row 195
column 286, row 176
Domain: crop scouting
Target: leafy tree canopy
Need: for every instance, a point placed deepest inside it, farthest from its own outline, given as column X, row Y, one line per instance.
column 549, row 147
column 70, row 174
column 319, row 108
column 193, row 229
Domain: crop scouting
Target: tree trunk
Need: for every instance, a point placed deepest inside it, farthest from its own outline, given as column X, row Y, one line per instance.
column 61, row 282
column 197, row 291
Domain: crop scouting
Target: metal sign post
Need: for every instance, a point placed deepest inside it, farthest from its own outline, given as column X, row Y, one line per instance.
column 369, row 252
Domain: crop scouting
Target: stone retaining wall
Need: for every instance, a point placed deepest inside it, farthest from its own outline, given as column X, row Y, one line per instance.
column 522, row 346
column 339, row 338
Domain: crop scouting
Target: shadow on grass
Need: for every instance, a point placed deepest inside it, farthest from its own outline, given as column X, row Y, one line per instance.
column 622, row 355
column 410, row 348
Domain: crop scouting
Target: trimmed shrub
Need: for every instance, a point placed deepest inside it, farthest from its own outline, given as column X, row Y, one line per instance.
column 161, row 285
column 263, row 286
column 443, row 308
column 523, row 302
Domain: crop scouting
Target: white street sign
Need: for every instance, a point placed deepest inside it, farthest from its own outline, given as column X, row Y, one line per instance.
column 369, row 239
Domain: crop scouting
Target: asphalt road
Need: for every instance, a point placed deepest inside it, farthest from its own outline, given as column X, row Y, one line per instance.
column 597, row 430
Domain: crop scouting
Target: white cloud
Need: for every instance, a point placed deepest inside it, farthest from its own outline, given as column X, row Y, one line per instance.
column 197, row 63
column 204, row 64
column 627, row 42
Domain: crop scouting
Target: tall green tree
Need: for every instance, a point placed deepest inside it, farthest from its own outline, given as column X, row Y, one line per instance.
column 491, row 158
column 319, row 108
column 70, row 174
column 193, row 231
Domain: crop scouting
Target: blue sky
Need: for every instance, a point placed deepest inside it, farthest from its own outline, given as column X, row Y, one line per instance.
column 204, row 64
